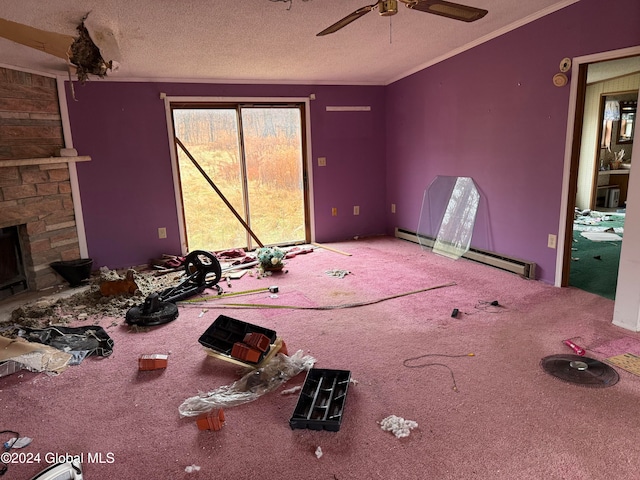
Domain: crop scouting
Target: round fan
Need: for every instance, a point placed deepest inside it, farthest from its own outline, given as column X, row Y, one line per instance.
column 580, row 370
column 387, row 8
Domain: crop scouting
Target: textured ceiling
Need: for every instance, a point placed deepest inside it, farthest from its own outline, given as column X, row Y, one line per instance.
column 261, row 40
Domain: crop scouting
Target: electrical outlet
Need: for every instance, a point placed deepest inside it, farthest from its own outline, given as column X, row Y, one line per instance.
column 393, row 208
column 551, row 241
column 334, row 212
column 162, row 232
column 356, row 210
column 322, row 161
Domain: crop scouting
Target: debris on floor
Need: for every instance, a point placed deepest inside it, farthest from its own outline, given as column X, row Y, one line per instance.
column 576, row 348
column 250, row 387
column 88, row 340
column 34, row 356
column 319, row 453
column 16, row 442
column 88, row 302
column 398, row 426
column 9, row 367
column 153, row 361
column 602, row 236
column 120, row 286
column 337, row 273
column 192, row 468
column 168, row 263
column 292, row 390
column 213, row 420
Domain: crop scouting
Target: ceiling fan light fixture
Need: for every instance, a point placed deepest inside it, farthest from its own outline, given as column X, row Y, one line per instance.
column 387, row 7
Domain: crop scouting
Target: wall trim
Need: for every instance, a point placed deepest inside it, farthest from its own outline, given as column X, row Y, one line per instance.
column 495, row 34
column 73, row 172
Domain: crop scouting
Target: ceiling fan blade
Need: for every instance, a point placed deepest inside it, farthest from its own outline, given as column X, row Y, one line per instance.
column 53, row 43
column 347, row 20
column 449, row 10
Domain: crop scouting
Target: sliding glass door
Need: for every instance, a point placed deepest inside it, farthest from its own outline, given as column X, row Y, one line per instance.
column 255, row 157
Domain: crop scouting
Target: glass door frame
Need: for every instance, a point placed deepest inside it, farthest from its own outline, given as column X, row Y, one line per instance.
column 243, row 102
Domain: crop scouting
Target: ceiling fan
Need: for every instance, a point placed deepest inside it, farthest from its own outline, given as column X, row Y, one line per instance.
column 390, row 7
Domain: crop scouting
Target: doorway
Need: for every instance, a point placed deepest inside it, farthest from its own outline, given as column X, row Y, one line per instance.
column 604, row 163
column 255, row 155
column 585, row 134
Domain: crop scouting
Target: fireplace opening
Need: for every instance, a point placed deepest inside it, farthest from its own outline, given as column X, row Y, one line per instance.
column 12, row 272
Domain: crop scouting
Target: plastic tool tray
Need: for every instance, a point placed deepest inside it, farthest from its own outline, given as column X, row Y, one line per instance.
column 226, row 331
column 321, row 402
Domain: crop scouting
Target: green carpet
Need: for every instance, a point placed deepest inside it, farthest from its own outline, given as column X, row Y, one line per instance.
column 594, row 265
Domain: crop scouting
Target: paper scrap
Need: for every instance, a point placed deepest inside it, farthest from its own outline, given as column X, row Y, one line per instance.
column 601, row 236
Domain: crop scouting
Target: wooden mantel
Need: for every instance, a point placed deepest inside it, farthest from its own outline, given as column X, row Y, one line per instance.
column 42, row 161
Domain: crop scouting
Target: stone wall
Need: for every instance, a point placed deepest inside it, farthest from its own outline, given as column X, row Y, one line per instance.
column 36, row 197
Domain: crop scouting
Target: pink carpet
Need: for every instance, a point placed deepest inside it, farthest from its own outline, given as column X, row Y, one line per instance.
column 508, row 420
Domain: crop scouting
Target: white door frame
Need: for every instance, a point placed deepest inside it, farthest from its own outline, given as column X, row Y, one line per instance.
column 627, row 304
column 274, row 100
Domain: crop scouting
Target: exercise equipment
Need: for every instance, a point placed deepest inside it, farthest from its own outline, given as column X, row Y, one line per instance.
column 202, row 271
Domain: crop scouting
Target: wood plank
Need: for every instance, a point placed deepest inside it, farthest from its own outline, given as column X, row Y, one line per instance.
column 43, row 161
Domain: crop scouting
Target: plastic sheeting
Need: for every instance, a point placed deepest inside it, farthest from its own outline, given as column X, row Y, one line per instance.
column 250, row 387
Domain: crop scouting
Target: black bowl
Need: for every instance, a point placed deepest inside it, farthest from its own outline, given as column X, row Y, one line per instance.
column 74, row 271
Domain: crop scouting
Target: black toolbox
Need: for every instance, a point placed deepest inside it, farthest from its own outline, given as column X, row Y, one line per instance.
column 321, row 402
column 225, row 331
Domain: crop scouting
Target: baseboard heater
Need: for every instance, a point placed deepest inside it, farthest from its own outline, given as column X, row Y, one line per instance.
column 515, row 265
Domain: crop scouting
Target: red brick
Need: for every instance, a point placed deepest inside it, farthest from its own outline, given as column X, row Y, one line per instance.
column 213, row 420
column 156, row 361
column 257, row 340
column 246, row 353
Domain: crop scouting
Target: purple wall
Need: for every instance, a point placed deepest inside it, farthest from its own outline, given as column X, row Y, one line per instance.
column 127, row 188
column 492, row 113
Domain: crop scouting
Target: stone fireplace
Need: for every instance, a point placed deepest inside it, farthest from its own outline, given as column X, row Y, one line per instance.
column 36, row 198
column 35, row 186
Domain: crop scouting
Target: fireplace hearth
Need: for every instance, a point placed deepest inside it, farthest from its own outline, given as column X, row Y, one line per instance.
column 12, row 273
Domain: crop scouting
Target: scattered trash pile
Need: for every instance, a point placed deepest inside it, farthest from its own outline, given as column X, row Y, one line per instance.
column 110, row 300
column 37, row 339
column 593, row 221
